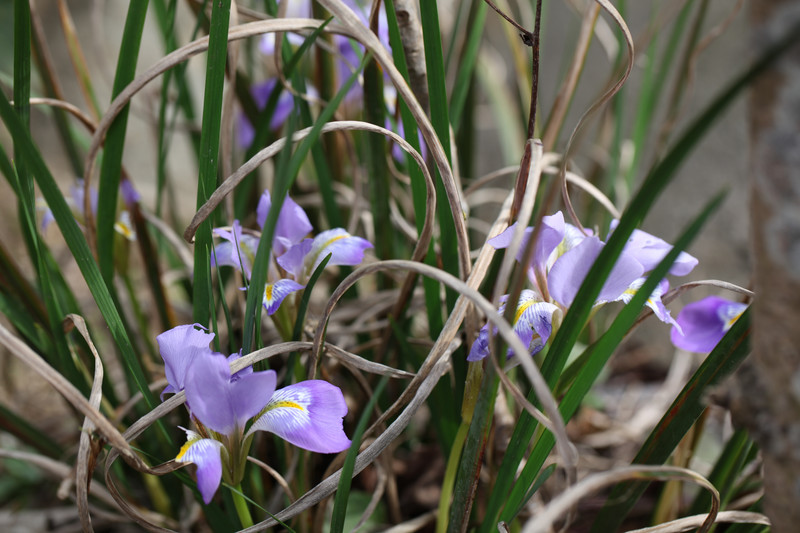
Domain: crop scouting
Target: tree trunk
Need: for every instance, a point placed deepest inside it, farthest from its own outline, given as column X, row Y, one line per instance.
column 768, row 397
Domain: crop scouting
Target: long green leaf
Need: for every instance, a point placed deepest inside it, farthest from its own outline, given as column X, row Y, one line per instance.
column 111, row 166
column 202, row 297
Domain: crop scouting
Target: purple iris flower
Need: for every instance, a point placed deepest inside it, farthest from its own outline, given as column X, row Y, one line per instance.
column 562, row 258
column 307, row 414
column 533, row 324
column 701, row 325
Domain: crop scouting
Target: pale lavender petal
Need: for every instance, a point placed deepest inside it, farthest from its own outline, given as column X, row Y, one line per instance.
column 274, row 293
column 180, row 347
column 206, row 454
column 550, row 236
column 307, row 414
column 650, row 250
column 76, row 191
column 293, row 261
column 569, row 271
column 223, row 404
column 704, row 323
column 243, row 372
column 345, row 249
column 293, row 224
column 653, row 302
column 238, row 250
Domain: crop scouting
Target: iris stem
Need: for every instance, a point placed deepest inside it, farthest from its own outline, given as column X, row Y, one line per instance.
column 241, row 507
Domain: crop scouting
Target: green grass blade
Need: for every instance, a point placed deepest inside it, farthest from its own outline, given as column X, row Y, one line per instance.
column 303, row 307
column 467, row 63
column 202, row 296
column 111, row 166
column 343, row 490
column 77, row 245
column 725, row 473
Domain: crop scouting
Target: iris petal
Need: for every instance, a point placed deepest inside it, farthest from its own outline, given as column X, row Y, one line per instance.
column 307, row 414
column 533, row 324
column 293, row 224
column 569, row 271
column 274, row 293
column 238, row 250
column 206, row 454
column 649, row 250
column 653, row 302
column 179, row 348
column 704, row 323
column 223, row 404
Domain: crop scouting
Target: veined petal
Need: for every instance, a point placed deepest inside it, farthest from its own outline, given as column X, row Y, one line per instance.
column 274, row 293
column 704, row 323
column 653, row 302
column 293, row 224
column 533, row 324
column 533, row 321
column 307, row 414
column 649, row 250
column 238, row 250
column 569, row 271
column 345, row 249
column 180, row 347
column 223, row 404
column 206, row 454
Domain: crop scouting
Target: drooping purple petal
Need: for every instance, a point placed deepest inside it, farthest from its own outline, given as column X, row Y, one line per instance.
column 653, row 302
column 237, row 250
column 533, row 324
column 345, row 249
column 569, row 271
column 307, row 414
column 704, row 323
column 533, row 321
column 480, row 347
column 223, row 404
column 180, row 347
column 293, row 224
column 274, row 293
column 206, row 454
column 650, row 250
